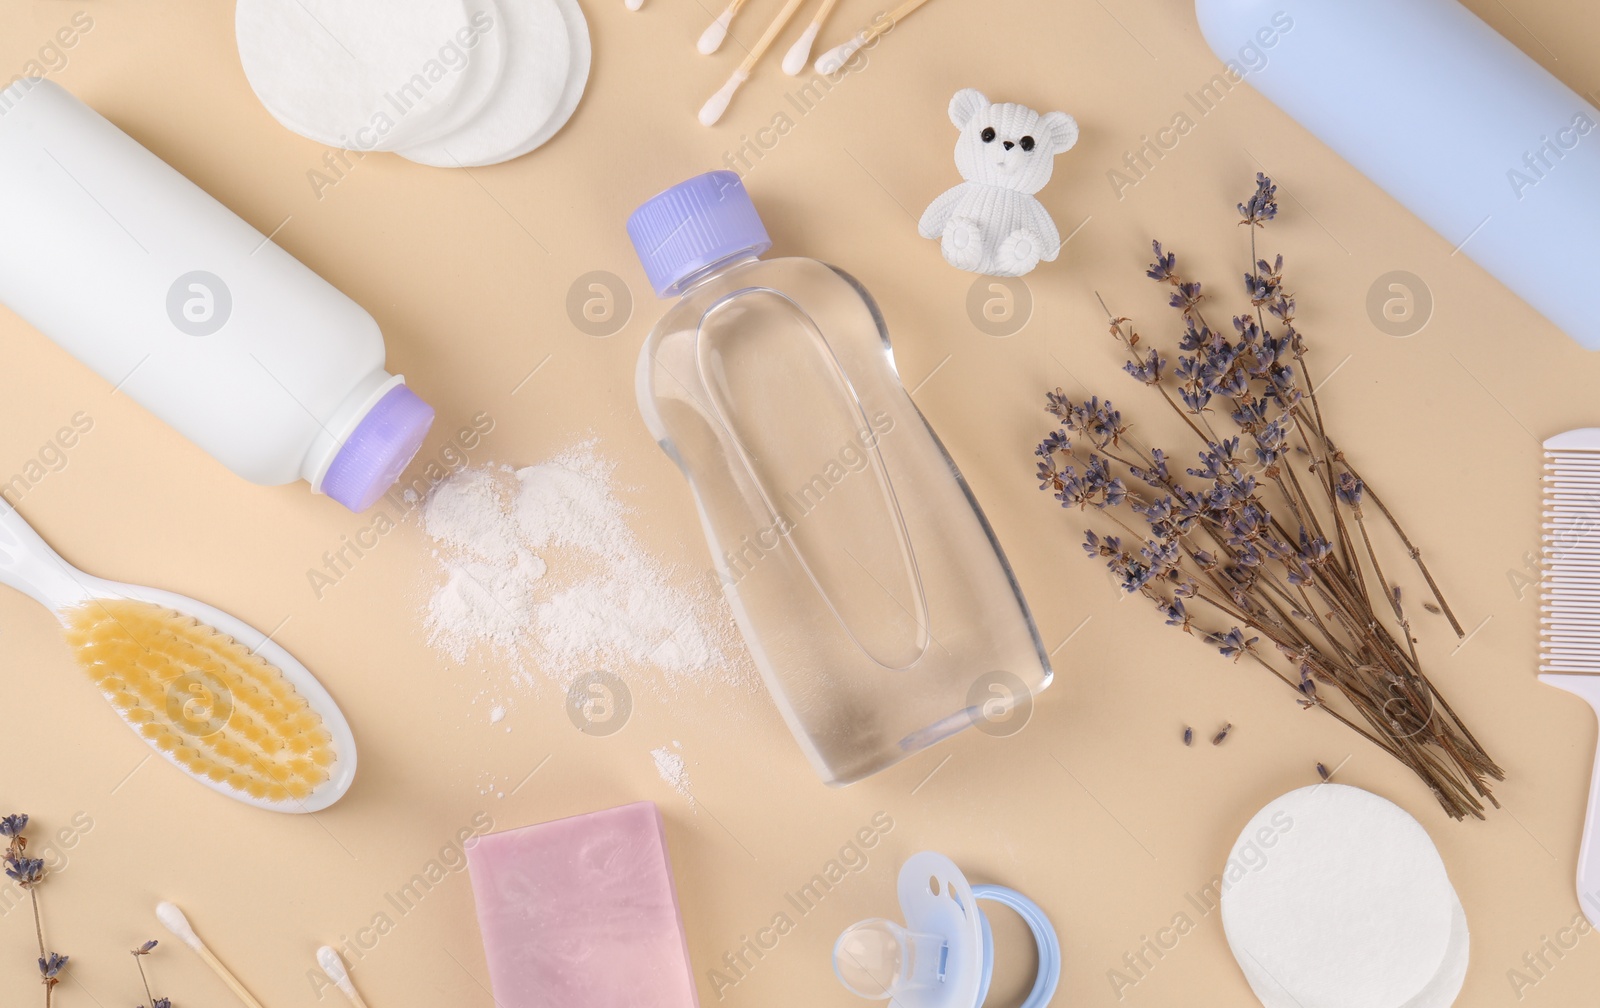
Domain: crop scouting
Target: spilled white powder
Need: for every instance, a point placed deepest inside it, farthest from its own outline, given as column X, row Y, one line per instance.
column 673, row 770
column 542, row 569
column 498, row 714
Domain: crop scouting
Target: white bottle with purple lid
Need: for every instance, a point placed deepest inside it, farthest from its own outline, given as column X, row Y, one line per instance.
column 187, row 309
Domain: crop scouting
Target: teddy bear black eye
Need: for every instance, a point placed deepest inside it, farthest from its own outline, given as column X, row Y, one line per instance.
column 1026, row 143
column 987, row 134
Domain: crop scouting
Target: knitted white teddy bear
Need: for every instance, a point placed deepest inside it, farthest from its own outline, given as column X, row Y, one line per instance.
column 991, row 223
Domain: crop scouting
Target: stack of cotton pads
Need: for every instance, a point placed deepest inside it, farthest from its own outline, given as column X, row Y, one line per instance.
column 1336, row 898
column 449, row 83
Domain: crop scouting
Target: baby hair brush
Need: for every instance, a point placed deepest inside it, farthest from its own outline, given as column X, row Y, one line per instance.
column 217, row 698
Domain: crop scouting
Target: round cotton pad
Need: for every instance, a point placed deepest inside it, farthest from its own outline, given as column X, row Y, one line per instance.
column 546, row 73
column 1334, row 897
column 486, row 63
column 577, row 76
column 359, row 74
column 1440, row 992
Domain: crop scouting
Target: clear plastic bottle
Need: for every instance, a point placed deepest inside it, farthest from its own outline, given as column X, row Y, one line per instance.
column 867, row 583
column 187, row 309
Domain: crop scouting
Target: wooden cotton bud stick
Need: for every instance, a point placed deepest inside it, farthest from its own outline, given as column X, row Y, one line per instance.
column 717, row 104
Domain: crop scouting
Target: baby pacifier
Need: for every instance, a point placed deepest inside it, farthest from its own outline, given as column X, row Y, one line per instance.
column 943, row 956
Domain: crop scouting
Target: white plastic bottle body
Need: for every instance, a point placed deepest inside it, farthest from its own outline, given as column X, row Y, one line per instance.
column 1451, row 119
column 172, row 298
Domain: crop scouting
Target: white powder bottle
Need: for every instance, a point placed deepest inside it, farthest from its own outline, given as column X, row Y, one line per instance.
column 189, row 310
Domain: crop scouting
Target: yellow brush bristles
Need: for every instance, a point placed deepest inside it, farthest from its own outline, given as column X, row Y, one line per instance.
column 200, row 696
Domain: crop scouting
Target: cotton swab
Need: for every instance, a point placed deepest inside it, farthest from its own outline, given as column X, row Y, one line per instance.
column 717, row 104
column 633, row 4
column 799, row 54
column 711, row 39
column 328, row 959
column 174, row 920
column 830, row 61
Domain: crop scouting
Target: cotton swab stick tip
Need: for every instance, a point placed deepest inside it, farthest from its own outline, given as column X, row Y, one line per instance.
column 795, row 59
column 328, row 959
column 717, row 104
column 173, row 920
column 711, row 39
column 633, row 4
column 830, row 61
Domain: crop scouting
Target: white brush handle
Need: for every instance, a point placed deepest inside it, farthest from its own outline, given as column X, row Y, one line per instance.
column 1588, row 879
column 28, row 564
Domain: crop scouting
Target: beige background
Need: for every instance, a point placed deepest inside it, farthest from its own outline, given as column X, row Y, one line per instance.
column 1095, row 809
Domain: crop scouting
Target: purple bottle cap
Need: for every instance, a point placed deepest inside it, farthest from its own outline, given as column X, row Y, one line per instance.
column 378, row 450
column 679, row 232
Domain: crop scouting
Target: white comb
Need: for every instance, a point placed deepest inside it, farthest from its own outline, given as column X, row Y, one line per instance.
column 1569, row 631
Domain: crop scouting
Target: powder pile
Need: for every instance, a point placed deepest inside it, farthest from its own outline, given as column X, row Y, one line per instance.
column 673, row 770
column 541, row 569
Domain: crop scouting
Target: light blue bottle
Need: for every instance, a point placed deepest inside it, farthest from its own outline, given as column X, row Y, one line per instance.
column 867, row 583
column 1463, row 128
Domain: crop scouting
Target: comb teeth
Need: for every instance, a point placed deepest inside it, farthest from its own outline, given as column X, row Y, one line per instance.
column 1569, row 631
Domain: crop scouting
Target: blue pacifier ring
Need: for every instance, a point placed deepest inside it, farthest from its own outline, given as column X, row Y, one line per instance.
column 1044, row 936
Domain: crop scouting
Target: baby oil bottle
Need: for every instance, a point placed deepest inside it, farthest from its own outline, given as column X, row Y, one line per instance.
column 860, row 569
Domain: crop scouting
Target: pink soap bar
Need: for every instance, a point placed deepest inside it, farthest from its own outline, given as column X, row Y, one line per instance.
column 582, row 913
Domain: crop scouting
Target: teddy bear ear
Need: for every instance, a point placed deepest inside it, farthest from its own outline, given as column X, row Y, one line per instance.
column 967, row 103
column 1063, row 131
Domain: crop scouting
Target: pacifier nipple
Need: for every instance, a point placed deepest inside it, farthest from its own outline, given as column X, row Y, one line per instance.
column 943, row 956
column 878, row 959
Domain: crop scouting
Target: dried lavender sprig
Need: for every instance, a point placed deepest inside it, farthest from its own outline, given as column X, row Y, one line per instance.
column 1059, row 440
column 138, row 957
column 29, row 873
column 1411, row 548
column 1265, row 290
column 1394, row 523
column 1188, row 305
column 1455, row 805
column 1382, row 676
